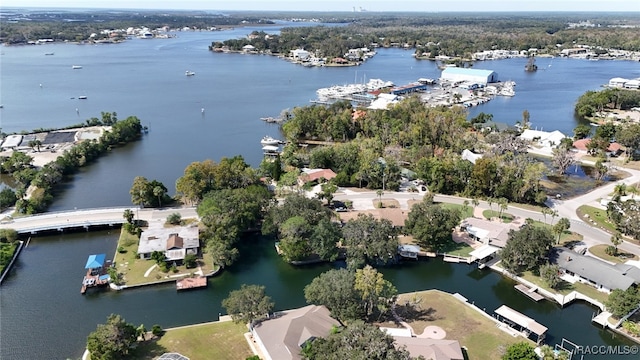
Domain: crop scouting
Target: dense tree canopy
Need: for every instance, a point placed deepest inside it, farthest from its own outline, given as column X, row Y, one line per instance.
column 369, row 241
column 431, row 225
column 526, row 248
column 335, row 289
column 520, row 351
column 621, row 302
column 112, row 340
column 358, row 340
column 248, row 304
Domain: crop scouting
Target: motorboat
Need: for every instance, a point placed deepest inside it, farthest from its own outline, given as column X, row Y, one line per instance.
column 75, row 67
column 268, row 140
column 49, row 54
column 82, row 97
column 270, row 149
column 189, row 73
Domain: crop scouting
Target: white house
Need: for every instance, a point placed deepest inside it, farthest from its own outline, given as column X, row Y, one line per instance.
column 248, row 48
column 617, row 82
column 543, row 138
column 174, row 242
column 300, row 54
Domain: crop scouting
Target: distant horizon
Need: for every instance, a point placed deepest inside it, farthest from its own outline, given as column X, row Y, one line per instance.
column 375, row 6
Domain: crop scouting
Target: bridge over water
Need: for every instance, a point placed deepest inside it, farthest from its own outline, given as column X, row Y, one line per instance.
column 87, row 219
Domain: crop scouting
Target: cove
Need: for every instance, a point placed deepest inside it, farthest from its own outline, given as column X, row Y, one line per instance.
column 43, row 314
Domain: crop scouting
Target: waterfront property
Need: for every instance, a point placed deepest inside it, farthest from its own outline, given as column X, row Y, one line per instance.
column 283, row 335
column 489, row 232
column 525, row 323
column 597, row 273
column 477, row 76
column 174, row 242
column 543, row 139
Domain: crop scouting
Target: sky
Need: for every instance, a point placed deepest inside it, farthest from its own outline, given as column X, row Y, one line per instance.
column 342, row 5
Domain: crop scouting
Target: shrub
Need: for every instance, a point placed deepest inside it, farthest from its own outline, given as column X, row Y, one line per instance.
column 190, row 261
column 631, row 327
column 122, row 250
column 156, row 330
column 174, row 219
column 610, row 250
column 174, row 269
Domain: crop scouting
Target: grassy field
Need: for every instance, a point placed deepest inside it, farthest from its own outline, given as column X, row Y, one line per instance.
column 598, row 216
column 458, row 249
column 133, row 268
column 465, row 212
column 599, row 251
column 474, row 331
column 220, row 341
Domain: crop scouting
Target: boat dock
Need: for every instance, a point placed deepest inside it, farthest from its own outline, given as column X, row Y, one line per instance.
column 97, row 272
column 191, row 283
column 530, row 292
column 521, row 322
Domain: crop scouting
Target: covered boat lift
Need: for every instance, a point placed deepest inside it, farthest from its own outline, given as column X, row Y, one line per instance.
column 525, row 323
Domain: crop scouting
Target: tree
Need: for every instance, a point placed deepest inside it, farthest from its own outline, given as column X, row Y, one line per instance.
column 328, row 190
column 358, row 340
column 221, row 251
column 369, row 240
column 7, row 198
column 139, row 191
column 520, row 351
column 141, row 331
column 582, row 131
column 248, row 304
column 112, row 340
column 551, row 275
column 563, row 157
column 629, row 137
column 294, row 239
column 560, row 227
column 335, row 290
column 431, row 225
column 621, row 302
column 600, row 170
column 379, row 193
column 174, row 218
column 128, row 215
column 526, row 248
column 376, row 292
column 616, row 239
column 475, row 202
column 324, row 239
column 190, row 261
column 159, row 192
column 504, row 205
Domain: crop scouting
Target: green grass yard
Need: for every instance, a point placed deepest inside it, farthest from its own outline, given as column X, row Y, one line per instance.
column 220, row 341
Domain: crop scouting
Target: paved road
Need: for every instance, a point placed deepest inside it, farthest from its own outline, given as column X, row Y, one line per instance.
column 78, row 218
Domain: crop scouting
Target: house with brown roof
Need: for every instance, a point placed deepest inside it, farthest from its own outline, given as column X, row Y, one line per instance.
column 582, row 146
column 309, row 175
column 283, row 336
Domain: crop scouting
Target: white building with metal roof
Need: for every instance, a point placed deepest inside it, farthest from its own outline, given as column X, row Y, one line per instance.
column 477, row 76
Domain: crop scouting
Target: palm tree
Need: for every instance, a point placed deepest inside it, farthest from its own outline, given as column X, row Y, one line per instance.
column 616, row 239
column 380, row 193
column 465, row 206
column 141, row 331
column 158, row 191
column 504, row 205
column 475, row 203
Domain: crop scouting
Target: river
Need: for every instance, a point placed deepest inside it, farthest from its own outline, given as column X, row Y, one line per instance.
column 42, row 314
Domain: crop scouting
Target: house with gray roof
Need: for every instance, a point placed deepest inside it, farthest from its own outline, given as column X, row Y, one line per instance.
column 599, row 274
column 434, row 349
column 283, row 336
column 174, row 242
column 489, row 232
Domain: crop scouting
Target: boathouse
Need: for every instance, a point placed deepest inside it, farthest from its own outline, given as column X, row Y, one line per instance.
column 96, row 272
column 477, row 76
column 522, row 323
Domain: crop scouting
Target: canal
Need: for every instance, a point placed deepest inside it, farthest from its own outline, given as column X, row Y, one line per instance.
column 45, row 317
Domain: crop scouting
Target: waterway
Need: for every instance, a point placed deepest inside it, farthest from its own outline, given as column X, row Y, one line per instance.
column 42, row 314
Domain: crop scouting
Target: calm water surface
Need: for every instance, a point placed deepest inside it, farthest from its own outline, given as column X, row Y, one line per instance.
column 42, row 314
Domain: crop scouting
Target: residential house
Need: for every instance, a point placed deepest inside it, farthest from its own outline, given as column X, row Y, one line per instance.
column 543, row 138
column 582, row 145
column 283, row 336
column 489, row 232
column 597, row 273
column 309, row 175
column 300, row 55
column 174, row 242
column 434, row 349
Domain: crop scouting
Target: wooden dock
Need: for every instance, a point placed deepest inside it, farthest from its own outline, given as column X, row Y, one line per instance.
column 531, row 293
column 191, row 283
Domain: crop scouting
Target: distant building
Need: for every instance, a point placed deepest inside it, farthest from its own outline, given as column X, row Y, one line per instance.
column 617, row 82
column 478, row 76
column 300, row 54
column 248, row 48
column 309, row 175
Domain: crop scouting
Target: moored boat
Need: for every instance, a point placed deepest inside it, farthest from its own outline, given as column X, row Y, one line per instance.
column 268, row 140
column 189, row 73
column 75, row 67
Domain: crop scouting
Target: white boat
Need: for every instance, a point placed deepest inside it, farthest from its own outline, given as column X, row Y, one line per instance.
column 189, row 73
column 75, row 67
column 270, row 149
column 82, row 97
column 268, row 140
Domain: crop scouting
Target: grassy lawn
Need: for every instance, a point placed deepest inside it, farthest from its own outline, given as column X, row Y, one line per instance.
column 598, row 216
column 478, row 334
column 458, row 249
column 506, row 217
column 465, row 212
column 133, row 268
column 565, row 287
column 221, row 341
column 598, row 250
